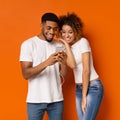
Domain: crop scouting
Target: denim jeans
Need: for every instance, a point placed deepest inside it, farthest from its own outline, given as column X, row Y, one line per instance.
column 37, row 110
column 94, row 98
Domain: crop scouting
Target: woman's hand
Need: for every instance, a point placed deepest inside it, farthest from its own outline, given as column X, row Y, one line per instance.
column 70, row 57
column 84, row 105
column 62, row 41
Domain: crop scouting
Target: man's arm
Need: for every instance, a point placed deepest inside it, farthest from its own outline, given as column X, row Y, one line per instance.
column 29, row 71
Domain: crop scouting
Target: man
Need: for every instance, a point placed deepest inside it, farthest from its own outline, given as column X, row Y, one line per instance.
column 42, row 66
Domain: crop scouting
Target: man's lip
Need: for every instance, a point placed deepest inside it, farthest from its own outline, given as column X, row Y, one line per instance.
column 50, row 36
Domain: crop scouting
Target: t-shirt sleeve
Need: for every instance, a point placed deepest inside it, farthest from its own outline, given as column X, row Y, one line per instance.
column 85, row 46
column 26, row 52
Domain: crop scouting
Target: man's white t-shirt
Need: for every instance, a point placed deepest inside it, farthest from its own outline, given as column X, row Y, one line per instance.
column 78, row 48
column 46, row 86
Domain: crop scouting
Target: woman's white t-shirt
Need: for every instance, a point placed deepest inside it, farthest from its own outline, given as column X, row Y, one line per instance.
column 46, row 86
column 78, row 48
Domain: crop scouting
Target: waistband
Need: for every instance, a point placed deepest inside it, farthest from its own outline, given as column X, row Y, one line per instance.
column 95, row 80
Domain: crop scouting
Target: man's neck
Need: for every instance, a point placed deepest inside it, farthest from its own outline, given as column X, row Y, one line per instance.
column 42, row 37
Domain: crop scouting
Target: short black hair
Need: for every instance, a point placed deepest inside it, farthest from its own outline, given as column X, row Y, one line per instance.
column 50, row 17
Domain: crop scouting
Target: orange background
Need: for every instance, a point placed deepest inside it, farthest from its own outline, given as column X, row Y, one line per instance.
column 20, row 20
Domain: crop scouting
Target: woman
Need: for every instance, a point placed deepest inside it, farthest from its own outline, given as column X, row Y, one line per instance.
column 89, row 89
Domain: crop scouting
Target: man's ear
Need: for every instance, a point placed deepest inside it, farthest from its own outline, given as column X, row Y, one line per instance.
column 41, row 25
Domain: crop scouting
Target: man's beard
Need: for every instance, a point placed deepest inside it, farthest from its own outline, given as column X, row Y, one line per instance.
column 47, row 39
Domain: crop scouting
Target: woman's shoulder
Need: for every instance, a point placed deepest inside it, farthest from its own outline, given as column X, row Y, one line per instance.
column 83, row 40
column 84, row 43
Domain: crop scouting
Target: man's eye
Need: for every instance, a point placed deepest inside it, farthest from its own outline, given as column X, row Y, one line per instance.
column 48, row 28
column 55, row 29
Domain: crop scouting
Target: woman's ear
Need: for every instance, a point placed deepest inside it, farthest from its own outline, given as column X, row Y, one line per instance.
column 60, row 33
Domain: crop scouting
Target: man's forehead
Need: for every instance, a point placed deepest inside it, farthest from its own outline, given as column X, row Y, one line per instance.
column 50, row 23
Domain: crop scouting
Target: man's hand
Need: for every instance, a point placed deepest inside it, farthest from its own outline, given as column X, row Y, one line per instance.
column 61, row 57
column 52, row 59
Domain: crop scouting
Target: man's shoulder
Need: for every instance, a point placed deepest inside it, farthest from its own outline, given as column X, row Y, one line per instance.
column 30, row 40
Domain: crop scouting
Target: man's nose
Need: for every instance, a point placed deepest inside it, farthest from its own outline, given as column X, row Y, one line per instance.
column 51, row 31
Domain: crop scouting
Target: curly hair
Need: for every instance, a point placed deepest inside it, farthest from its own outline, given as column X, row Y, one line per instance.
column 74, row 21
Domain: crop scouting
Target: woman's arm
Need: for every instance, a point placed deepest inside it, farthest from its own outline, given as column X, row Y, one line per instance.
column 70, row 57
column 85, row 78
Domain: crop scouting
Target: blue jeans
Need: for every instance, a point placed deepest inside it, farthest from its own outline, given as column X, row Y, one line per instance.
column 37, row 110
column 94, row 98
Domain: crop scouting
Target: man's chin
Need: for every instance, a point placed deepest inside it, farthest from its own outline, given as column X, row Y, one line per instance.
column 49, row 40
